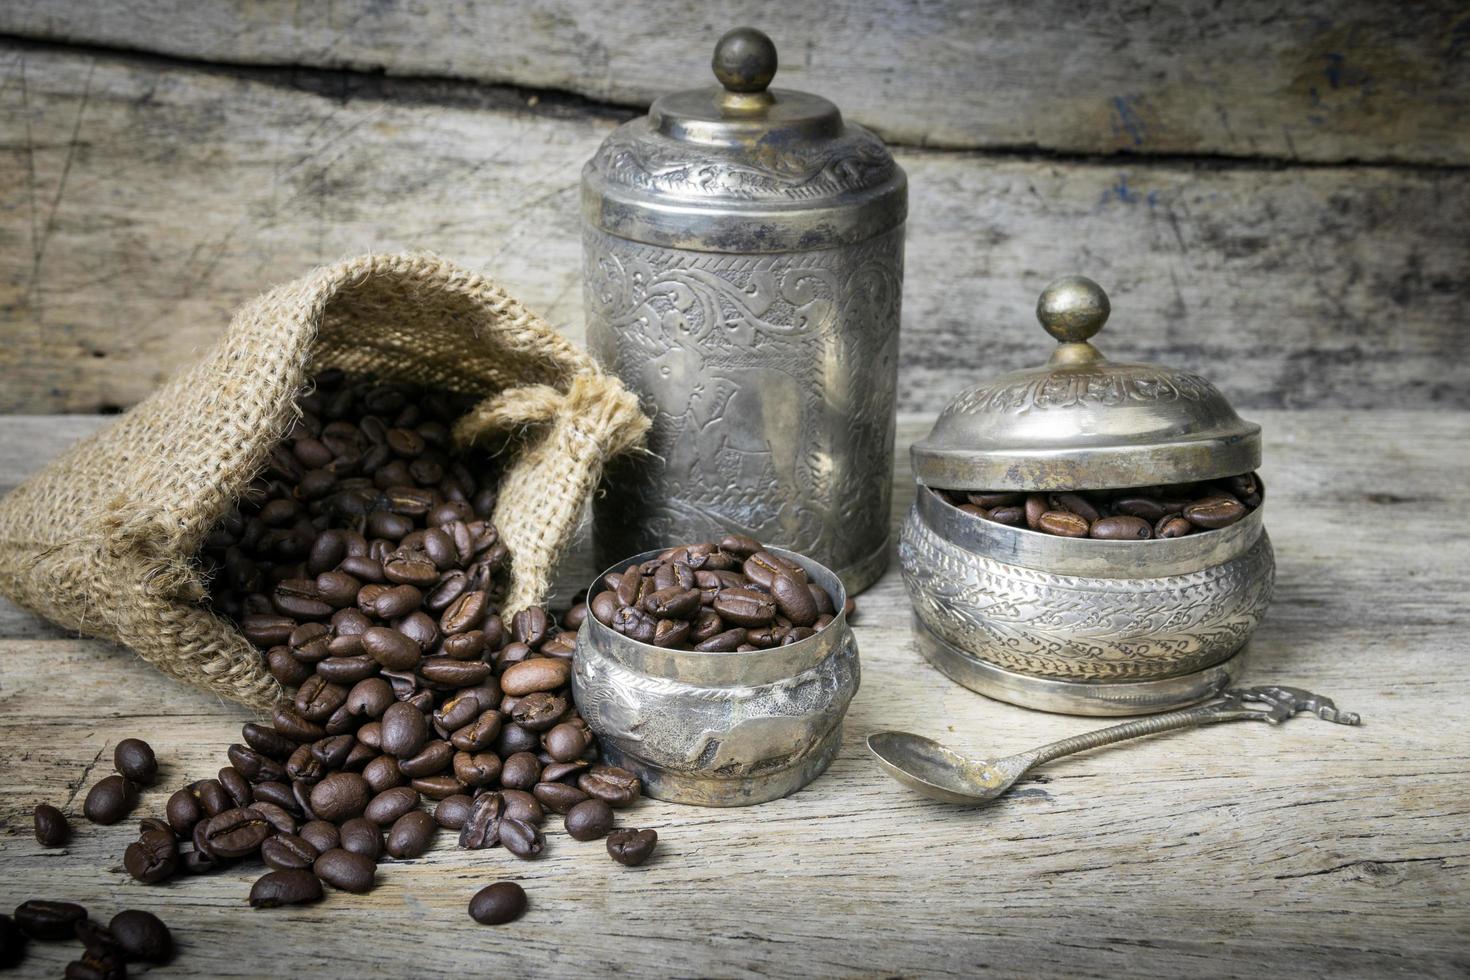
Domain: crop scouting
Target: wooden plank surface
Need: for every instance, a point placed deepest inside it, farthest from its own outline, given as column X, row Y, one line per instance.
column 1317, row 80
column 139, row 206
column 1235, row 851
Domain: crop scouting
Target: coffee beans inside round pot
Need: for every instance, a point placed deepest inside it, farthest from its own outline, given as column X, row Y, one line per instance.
column 1135, row 514
column 497, row 904
column 733, row 595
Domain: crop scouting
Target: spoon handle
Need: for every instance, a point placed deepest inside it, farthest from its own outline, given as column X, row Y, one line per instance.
column 1272, row 704
column 1215, row 711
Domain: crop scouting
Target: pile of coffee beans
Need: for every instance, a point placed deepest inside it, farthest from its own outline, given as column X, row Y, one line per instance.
column 364, row 564
column 132, row 936
column 715, row 598
column 1118, row 515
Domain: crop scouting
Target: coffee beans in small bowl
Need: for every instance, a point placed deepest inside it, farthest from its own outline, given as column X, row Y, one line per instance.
column 715, row 673
column 1136, row 514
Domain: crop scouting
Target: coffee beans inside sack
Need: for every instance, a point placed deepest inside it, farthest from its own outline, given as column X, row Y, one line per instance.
column 364, row 565
column 1135, row 514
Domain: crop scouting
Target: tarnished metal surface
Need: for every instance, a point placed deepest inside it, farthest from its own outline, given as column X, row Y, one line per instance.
column 743, row 271
column 1047, row 620
column 719, row 729
column 1084, row 422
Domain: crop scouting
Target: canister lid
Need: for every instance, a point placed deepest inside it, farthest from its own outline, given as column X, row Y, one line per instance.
column 1082, row 421
column 741, row 167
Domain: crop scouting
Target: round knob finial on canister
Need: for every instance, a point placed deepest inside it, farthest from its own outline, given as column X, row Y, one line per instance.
column 745, row 60
column 1073, row 309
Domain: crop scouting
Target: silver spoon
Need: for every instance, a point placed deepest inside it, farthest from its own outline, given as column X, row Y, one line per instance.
column 942, row 773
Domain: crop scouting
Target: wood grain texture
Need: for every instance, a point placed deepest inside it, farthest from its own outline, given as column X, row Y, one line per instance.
column 1238, row 850
column 1326, row 81
column 139, row 207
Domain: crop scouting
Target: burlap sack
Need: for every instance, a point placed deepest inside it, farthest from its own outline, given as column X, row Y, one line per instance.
column 103, row 540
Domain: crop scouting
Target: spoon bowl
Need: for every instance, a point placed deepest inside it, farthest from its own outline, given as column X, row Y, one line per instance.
column 936, row 770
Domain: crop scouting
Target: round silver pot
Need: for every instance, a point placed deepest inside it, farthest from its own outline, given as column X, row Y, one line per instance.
column 1080, row 625
column 719, row 729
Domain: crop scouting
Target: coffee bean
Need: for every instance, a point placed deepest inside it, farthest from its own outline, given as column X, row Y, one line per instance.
column 566, row 741
column 481, row 827
column 631, row 847
column 235, row 833
column 12, row 942
column 391, row 804
column 589, row 820
column 794, row 600
column 153, row 857
column 110, row 800
column 391, row 648
column 724, row 642
column 286, row 852
column 341, row 796
column 522, row 839
column 558, row 797
column 321, row 835
column 362, row 836
column 1064, row 524
column 1214, row 512
column 497, row 904
column 346, row 871
column 285, row 887
column 411, row 835
column 744, row 606
column 1009, row 516
column 51, row 827
column 614, row 786
column 1121, row 527
column 47, row 921
column 96, row 966
column 438, row 787
column 523, row 806
column 133, row 758
column 1172, row 527
column 289, row 723
column 521, row 770
column 267, row 741
column 540, row 674
column 405, row 730
column 452, row 811
column 141, row 936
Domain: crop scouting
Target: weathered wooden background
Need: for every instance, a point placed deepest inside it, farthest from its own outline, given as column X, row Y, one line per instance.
column 1275, row 194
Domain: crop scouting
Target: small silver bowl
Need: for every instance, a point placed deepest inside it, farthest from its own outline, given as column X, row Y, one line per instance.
column 719, row 729
column 1079, row 625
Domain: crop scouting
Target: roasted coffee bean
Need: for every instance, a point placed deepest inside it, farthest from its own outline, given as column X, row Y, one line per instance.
column 793, row 598
column 51, row 827
column 1214, row 512
column 383, row 773
column 744, row 606
column 346, row 871
column 539, row 710
column 280, row 819
column 513, row 738
column 347, row 670
column 212, row 796
column 290, row 724
column 141, row 936
column 286, row 852
column 673, row 602
column 1073, row 503
column 362, row 836
column 1150, row 509
column 631, row 847
column 110, row 800
column 616, row 787
column 452, row 811
column 332, row 752
column 48, row 921
column 236, row 786
column 285, row 887
column 479, row 734
column 558, row 797
column 1121, row 527
column 522, row 839
column 540, row 674
column 340, row 796
column 152, row 857
column 523, row 806
column 603, row 606
column 183, row 812
column 464, row 646
column 12, row 942
column 454, row 673
column 133, row 758
column 411, row 835
column 1009, row 516
column 254, row 766
column 153, row 823
column 317, row 698
column 497, row 904
column 321, row 835
column 438, row 787
column 389, row 805
column 1172, row 527
column 566, row 741
column 481, row 828
column 635, row 624
column 521, row 770
column 405, row 730
column 431, row 759
column 1064, row 524
column 267, row 741
column 96, row 966
column 279, row 793
column 723, row 642
column 304, row 765
column 589, row 820
column 476, row 768
column 235, row 833
column 391, row 648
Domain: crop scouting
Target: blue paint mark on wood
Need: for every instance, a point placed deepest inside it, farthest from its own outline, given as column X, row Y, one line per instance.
column 1122, row 192
column 1128, row 117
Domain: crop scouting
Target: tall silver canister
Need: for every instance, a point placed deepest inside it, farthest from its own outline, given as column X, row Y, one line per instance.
column 743, row 269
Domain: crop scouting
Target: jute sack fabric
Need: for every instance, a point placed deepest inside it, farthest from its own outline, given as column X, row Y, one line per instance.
column 104, row 539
